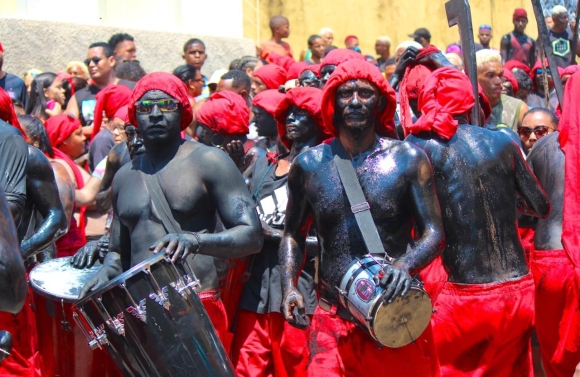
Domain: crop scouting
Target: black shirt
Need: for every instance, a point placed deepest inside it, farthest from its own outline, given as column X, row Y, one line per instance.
column 263, row 291
column 13, row 160
column 562, row 47
column 14, row 86
column 86, row 101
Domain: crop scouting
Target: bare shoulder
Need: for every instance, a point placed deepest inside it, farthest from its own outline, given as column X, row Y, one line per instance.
column 400, row 148
column 36, row 159
column 313, row 158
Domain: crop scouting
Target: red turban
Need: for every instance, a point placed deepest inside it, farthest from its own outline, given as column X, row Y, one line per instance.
column 268, row 100
column 352, row 70
column 538, row 65
column 7, row 112
column 511, row 64
column 340, row 55
column 570, row 70
column 123, row 114
column 447, row 92
column 272, row 75
column 483, row 102
column 167, row 83
column 412, row 84
column 307, row 99
column 109, row 100
column 60, row 127
column 511, row 78
column 295, row 70
column 520, row 13
column 225, row 113
column 281, row 61
column 314, row 68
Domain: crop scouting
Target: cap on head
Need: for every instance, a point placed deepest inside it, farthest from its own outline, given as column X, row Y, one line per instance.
column 559, row 9
column 350, row 38
column 485, row 27
column 216, row 76
column 421, row 33
column 520, row 13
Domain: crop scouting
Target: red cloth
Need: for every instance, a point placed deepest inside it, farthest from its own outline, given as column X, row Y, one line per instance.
column 60, row 127
column 527, row 240
column 512, row 64
column 304, row 98
column 122, row 113
column 314, row 68
column 340, row 55
column 24, row 360
column 109, row 100
column 511, row 78
column 225, row 113
column 266, row 345
column 340, row 348
column 282, row 61
column 268, row 100
column 485, row 329
column 570, row 70
column 217, row 314
column 295, row 69
column 1, row 48
column 7, row 113
column 350, row 38
column 569, row 138
column 352, row 70
column 538, row 65
column 272, row 75
column 167, row 83
column 434, row 278
column 520, row 13
column 556, row 304
column 447, row 92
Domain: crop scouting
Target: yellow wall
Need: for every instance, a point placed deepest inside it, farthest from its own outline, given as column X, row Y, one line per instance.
column 369, row 19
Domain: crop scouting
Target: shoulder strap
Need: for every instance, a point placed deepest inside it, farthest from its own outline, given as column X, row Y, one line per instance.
column 158, row 199
column 356, row 197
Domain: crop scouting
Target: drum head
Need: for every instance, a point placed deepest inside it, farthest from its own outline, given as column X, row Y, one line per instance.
column 58, row 280
column 401, row 322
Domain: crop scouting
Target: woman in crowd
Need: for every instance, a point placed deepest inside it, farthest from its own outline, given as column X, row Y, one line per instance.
column 47, row 96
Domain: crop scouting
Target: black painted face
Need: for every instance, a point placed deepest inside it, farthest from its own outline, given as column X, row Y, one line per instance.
column 356, row 106
column 134, row 141
column 265, row 122
column 308, row 79
column 325, row 73
column 210, row 138
column 157, row 125
column 299, row 125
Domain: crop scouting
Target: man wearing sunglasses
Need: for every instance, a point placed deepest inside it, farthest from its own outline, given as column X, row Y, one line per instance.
column 536, row 124
column 537, row 97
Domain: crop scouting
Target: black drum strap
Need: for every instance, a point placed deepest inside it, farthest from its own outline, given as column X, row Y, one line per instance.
column 356, row 197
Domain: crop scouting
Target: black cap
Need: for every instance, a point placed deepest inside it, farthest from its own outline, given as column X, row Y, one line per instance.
column 422, row 32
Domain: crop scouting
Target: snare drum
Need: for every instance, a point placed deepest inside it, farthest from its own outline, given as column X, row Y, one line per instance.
column 62, row 345
column 152, row 323
column 394, row 324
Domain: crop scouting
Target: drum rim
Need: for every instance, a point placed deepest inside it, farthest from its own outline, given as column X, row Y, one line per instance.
column 344, row 285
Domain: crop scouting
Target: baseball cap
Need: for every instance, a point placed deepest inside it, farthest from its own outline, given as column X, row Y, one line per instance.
column 216, row 76
column 520, row 13
column 421, row 32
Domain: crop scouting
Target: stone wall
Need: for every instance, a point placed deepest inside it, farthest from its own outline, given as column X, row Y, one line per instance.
column 48, row 46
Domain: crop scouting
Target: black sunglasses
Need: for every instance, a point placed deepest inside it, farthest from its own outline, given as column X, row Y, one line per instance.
column 94, row 59
column 539, row 130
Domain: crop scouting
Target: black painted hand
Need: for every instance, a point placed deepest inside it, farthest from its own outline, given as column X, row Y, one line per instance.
column 395, row 280
column 435, row 61
column 235, row 150
column 406, row 60
column 86, row 256
column 98, row 281
column 177, row 245
column 293, row 308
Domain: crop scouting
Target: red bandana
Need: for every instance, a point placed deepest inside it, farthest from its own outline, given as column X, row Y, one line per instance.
column 340, row 55
column 167, row 83
column 272, row 75
column 225, row 113
column 109, row 100
column 281, row 61
column 295, row 70
column 511, row 78
column 511, row 64
column 314, row 68
column 268, row 100
column 7, row 112
column 60, row 127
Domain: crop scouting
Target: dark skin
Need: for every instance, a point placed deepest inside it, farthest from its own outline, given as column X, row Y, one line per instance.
column 547, row 161
column 308, row 78
column 398, row 183
column 194, row 198
column 266, row 127
column 325, row 73
column 479, row 204
column 505, row 45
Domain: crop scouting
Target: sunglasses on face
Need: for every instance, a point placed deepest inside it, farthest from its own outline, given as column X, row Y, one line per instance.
column 164, row 105
column 94, row 59
column 540, row 71
column 539, row 130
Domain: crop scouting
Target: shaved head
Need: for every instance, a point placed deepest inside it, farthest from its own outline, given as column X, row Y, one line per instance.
column 278, row 21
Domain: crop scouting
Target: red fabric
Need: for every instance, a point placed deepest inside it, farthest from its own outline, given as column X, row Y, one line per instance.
column 217, row 314
column 109, row 100
column 295, row 69
column 350, row 38
column 7, row 113
column 352, row 70
column 304, row 98
column 412, row 84
column 340, row 55
column 447, row 92
column 485, row 329
column 340, row 348
column 538, row 65
column 520, row 13
column 527, row 240
column 272, row 75
column 570, row 70
column 123, row 114
column 556, row 304
column 282, row 61
column 483, row 102
column 167, row 83
column 511, row 78
column 569, row 138
column 434, row 278
column 24, row 360
column 1, row 48
column 314, row 68
column 266, row 345
column 225, row 113
column 268, row 100
column 60, row 127
column 232, row 285
column 512, row 64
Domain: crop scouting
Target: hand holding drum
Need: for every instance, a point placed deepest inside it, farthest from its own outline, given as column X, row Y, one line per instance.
column 178, row 245
column 395, row 280
column 293, row 308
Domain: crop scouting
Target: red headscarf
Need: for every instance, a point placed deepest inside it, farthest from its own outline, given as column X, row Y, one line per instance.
column 447, row 92
column 314, row 68
column 412, row 84
column 570, row 70
column 109, row 100
column 295, row 70
column 60, row 127
column 307, row 99
column 7, row 113
column 352, row 70
column 281, row 61
column 340, row 55
column 123, row 114
column 225, row 113
column 538, row 65
column 511, row 78
column 511, row 64
column 167, row 83
column 272, row 75
column 268, row 100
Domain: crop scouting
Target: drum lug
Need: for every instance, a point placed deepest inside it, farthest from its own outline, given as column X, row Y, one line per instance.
column 139, row 311
column 117, row 324
column 161, row 298
column 181, row 287
column 95, row 335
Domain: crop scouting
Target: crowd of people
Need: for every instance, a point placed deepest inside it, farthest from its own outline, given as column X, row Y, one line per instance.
column 249, row 163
